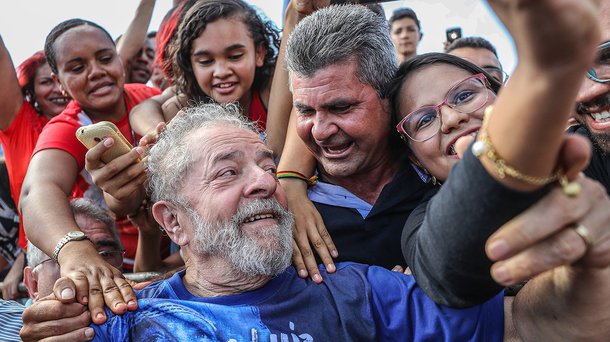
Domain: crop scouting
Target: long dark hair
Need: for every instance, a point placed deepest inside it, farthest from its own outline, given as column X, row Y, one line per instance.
column 195, row 21
column 420, row 61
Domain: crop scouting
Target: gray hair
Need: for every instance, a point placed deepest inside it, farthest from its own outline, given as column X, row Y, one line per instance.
column 79, row 206
column 340, row 34
column 170, row 159
column 34, row 255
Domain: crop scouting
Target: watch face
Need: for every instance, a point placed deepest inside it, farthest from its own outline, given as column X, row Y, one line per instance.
column 76, row 234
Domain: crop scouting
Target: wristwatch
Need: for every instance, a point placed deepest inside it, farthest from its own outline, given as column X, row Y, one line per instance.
column 75, row 235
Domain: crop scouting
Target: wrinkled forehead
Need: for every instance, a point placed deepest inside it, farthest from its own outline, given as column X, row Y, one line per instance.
column 605, row 20
column 210, row 143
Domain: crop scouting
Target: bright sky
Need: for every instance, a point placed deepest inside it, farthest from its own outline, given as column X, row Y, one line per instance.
column 24, row 24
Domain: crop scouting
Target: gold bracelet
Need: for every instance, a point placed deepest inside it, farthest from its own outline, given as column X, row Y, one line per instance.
column 484, row 147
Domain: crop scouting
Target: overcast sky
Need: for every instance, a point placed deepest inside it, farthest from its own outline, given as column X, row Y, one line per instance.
column 24, row 24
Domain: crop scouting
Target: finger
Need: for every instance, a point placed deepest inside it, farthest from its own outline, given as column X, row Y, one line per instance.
column 96, row 301
column 161, row 126
column 308, row 258
column 549, row 215
column 398, row 268
column 408, row 271
column 127, row 181
column 328, row 241
column 560, row 249
column 127, row 293
column 574, row 155
column 297, row 261
column 112, row 294
column 93, row 158
column 321, row 248
column 51, row 317
column 73, row 287
column 82, row 334
column 462, row 144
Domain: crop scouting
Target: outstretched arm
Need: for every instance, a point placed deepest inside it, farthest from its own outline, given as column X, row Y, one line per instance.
column 131, row 42
column 11, row 97
column 48, row 217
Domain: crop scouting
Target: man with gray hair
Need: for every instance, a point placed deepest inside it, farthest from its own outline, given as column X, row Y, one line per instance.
column 339, row 60
column 213, row 181
column 42, row 271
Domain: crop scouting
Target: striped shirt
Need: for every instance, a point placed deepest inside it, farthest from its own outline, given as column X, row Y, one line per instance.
column 10, row 320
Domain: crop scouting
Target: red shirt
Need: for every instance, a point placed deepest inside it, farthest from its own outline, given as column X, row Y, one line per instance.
column 60, row 133
column 18, row 142
column 258, row 112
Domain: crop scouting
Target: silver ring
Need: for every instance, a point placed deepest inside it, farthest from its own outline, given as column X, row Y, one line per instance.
column 584, row 233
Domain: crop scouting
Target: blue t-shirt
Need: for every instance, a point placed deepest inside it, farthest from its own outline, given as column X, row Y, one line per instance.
column 357, row 303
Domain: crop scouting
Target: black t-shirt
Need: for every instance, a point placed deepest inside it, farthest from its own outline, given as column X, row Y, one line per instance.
column 599, row 166
column 375, row 240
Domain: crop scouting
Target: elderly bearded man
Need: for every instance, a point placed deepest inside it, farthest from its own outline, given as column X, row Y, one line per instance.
column 213, row 181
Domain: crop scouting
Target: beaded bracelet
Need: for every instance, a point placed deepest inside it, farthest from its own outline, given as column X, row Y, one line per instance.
column 297, row 175
column 484, row 147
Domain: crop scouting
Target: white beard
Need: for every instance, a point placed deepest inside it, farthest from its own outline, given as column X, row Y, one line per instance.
column 268, row 253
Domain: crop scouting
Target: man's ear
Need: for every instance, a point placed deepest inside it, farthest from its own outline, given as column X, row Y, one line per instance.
column 166, row 214
column 30, row 280
column 421, row 35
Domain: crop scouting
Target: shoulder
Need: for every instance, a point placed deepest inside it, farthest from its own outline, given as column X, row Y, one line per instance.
column 137, row 92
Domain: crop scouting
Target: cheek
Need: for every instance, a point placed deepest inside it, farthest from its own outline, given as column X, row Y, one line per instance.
column 42, row 91
column 204, row 79
column 304, row 127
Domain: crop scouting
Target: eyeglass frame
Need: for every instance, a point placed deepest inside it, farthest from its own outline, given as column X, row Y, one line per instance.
column 437, row 108
column 505, row 75
column 591, row 74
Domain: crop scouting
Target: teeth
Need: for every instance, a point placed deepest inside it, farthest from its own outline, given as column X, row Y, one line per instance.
column 452, row 150
column 224, row 85
column 258, row 217
column 601, row 116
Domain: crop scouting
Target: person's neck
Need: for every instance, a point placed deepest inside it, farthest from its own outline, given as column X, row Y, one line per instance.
column 213, row 277
column 402, row 58
column 245, row 103
column 114, row 113
column 368, row 184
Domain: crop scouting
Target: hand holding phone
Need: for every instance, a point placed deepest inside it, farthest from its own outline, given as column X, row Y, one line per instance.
column 91, row 135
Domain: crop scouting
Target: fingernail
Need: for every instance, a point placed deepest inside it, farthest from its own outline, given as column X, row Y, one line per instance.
column 302, row 273
column 330, row 268
column 67, row 294
column 501, row 275
column 499, row 249
column 108, row 142
column 140, row 151
column 334, row 253
column 131, row 303
column 99, row 315
column 89, row 333
column 395, row 269
column 317, row 278
column 85, row 300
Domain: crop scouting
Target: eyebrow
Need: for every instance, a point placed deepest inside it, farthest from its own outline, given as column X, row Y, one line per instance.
column 265, row 154
column 78, row 59
column 107, row 243
column 230, row 155
column 227, row 49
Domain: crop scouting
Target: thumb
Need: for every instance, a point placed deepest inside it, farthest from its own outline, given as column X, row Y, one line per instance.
column 462, row 144
column 574, row 155
column 64, row 290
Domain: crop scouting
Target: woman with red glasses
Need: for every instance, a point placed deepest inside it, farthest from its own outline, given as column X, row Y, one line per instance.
column 441, row 101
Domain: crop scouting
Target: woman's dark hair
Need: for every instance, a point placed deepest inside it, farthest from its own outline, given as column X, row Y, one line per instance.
column 60, row 29
column 424, row 60
column 194, row 22
column 26, row 74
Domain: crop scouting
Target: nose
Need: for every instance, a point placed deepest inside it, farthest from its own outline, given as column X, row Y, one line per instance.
column 323, row 127
column 96, row 71
column 452, row 119
column 261, row 184
column 591, row 90
column 221, row 69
